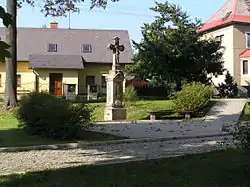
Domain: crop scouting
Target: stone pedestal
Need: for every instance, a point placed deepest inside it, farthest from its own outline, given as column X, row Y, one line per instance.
column 111, row 113
column 114, row 106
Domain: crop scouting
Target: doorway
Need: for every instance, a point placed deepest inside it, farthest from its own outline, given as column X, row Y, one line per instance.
column 55, row 84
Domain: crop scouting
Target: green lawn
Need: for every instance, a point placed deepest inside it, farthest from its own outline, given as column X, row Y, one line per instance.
column 228, row 168
column 11, row 135
column 140, row 110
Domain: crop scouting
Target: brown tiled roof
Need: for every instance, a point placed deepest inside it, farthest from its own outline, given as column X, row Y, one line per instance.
column 232, row 11
column 56, row 61
column 34, row 41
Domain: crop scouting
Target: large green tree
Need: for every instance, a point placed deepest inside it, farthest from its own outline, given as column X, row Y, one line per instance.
column 172, row 49
column 53, row 8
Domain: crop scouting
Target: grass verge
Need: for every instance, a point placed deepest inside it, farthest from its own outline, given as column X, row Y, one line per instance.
column 229, row 168
column 140, row 110
column 11, row 135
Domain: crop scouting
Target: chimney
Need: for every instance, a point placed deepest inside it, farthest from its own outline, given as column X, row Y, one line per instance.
column 53, row 25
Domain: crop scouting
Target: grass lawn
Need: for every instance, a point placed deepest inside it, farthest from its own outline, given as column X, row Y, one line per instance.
column 138, row 111
column 228, row 168
column 141, row 109
column 11, row 135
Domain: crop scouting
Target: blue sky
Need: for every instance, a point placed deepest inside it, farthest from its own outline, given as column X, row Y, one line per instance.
column 126, row 14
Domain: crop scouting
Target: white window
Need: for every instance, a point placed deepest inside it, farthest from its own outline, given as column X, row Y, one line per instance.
column 52, row 47
column 220, row 38
column 86, row 48
column 248, row 40
column 245, row 67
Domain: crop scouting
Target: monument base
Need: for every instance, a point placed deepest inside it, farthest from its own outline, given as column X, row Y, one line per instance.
column 111, row 113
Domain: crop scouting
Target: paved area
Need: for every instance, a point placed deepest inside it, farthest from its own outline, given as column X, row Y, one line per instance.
column 224, row 113
column 21, row 162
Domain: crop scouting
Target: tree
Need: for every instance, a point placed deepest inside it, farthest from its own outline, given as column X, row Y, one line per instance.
column 10, row 98
column 173, row 50
column 229, row 89
column 51, row 8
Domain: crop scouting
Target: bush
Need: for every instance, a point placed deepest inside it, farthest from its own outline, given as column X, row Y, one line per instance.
column 229, row 89
column 192, row 98
column 52, row 117
column 241, row 135
column 130, row 95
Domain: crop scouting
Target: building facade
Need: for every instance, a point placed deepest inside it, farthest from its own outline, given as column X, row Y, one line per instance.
column 50, row 58
column 231, row 25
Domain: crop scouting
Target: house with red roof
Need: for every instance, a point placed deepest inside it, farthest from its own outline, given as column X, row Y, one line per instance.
column 231, row 25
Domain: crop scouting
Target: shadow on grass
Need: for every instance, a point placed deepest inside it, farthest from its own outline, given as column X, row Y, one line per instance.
column 171, row 115
column 18, row 137
column 227, row 168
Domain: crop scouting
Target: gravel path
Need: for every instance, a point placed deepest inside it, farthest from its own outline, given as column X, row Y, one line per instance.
column 21, row 162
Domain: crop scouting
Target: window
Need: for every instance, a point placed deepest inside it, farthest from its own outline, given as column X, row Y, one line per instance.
column 248, row 40
column 90, row 80
column 104, row 82
column 227, row 15
column 219, row 38
column 52, row 47
column 86, row 48
column 245, row 67
column 0, row 80
column 18, row 78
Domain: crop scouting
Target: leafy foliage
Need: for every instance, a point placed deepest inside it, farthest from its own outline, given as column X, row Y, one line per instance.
column 57, row 8
column 46, row 115
column 228, row 89
column 130, row 95
column 241, row 135
column 4, row 46
column 173, row 50
column 193, row 97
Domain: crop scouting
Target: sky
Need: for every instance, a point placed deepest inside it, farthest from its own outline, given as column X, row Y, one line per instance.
column 125, row 14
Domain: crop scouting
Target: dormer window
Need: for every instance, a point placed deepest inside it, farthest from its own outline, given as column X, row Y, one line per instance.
column 52, row 47
column 86, row 48
column 227, row 15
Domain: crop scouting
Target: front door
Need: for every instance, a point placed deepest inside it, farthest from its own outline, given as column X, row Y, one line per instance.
column 56, row 84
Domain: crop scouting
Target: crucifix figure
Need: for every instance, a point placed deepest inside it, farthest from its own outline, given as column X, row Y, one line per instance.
column 116, row 48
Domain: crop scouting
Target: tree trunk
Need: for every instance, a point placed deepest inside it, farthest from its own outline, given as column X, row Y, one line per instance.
column 10, row 99
column 177, row 85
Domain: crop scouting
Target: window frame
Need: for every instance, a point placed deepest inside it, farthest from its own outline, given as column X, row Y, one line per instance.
column 1, row 80
column 103, row 85
column 86, row 80
column 220, row 38
column 86, row 51
column 48, row 48
column 246, row 36
column 20, row 79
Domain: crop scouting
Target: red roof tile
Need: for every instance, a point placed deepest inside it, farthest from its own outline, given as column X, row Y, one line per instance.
column 245, row 53
column 231, row 11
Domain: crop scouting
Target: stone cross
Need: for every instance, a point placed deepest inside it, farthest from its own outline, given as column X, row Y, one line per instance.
column 116, row 48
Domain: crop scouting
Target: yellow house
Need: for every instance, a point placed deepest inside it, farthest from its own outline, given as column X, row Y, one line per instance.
column 231, row 25
column 50, row 59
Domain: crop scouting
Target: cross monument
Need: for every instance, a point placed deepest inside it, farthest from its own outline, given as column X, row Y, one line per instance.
column 114, row 109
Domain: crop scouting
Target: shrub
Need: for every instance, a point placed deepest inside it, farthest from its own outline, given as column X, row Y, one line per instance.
column 229, row 89
column 192, row 98
column 130, row 95
column 52, row 117
column 241, row 135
